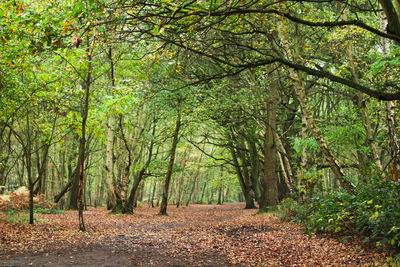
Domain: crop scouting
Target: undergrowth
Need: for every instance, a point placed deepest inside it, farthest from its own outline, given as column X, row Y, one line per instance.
column 21, row 217
column 373, row 212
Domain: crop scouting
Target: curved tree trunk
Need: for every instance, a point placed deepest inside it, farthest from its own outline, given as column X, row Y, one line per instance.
column 299, row 88
column 128, row 207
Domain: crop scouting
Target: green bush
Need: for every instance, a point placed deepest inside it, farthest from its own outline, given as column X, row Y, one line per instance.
column 373, row 212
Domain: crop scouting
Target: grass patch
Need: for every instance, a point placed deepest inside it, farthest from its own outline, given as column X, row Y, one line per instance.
column 275, row 210
column 40, row 210
column 14, row 217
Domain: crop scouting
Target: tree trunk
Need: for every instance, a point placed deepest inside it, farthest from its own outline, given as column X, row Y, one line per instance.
column 369, row 138
column 391, row 122
column 195, row 177
column 299, row 88
column 202, row 193
column 330, row 158
column 128, row 208
column 73, row 196
column 179, row 189
column 153, row 193
column 270, row 180
column 28, row 157
column 285, row 163
column 164, row 202
column 255, row 168
column 219, row 202
column 393, row 26
column 393, row 140
column 111, row 196
column 245, row 188
column 180, row 181
column 82, row 142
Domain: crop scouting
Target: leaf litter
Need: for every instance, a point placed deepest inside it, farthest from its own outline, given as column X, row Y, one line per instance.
column 198, row 235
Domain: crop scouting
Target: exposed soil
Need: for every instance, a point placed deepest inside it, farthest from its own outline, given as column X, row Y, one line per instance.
column 199, row 235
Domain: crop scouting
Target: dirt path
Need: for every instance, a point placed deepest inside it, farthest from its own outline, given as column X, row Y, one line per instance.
column 199, row 235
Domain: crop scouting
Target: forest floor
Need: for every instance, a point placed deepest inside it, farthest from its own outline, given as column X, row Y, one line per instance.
column 198, row 235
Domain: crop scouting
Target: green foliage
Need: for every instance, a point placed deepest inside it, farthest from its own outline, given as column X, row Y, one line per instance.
column 374, row 212
column 18, row 217
column 286, row 210
column 299, row 145
column 42, row 210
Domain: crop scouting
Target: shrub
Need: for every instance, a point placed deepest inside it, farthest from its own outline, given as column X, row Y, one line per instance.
column 19, row 200
column 373, row 212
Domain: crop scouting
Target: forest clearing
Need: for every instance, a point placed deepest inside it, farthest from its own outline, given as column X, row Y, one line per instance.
column 113, row 112
column 198, row 235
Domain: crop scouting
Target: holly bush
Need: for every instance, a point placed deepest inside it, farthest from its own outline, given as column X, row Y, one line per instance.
column 372, row 212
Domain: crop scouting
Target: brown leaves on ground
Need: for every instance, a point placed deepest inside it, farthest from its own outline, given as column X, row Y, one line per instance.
column 195, row 233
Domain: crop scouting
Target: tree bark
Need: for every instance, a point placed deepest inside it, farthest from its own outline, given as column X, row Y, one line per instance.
column 82, row 141
column 393, row 26
column 285, row 163
column 254, row 168
column 180, row 181
column 299, row 88
column 270, row 180
column 164, row 202
column 153, row 193
column 73, row 196
column 111, row 199
column 369, row 139
column 245, row 188
column 393, row 140
column 128, row 208
column 195, row 177
column 28, row 162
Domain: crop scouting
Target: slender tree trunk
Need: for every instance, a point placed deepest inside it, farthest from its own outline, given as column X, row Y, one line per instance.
column 42, row 169
column 369, row 138
column 255, row 168
column 5, row 159
column 111, row 195
column 330, row 158
column 128, row 208
column 227, row 194
column 164, row 202
column 74, row 187
column 270, row 179
column 245, row 188
column 393, row 140
column 82, row 142
column 180, row 181
column 195, row 177
column 28, row 156
column 219, row 202
column 211, row 196
column 179, row 189
column 153, row 193
column 252, row 184
column 299, row 88
column 202, row 192
column 285, row 162
column 111, row 199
